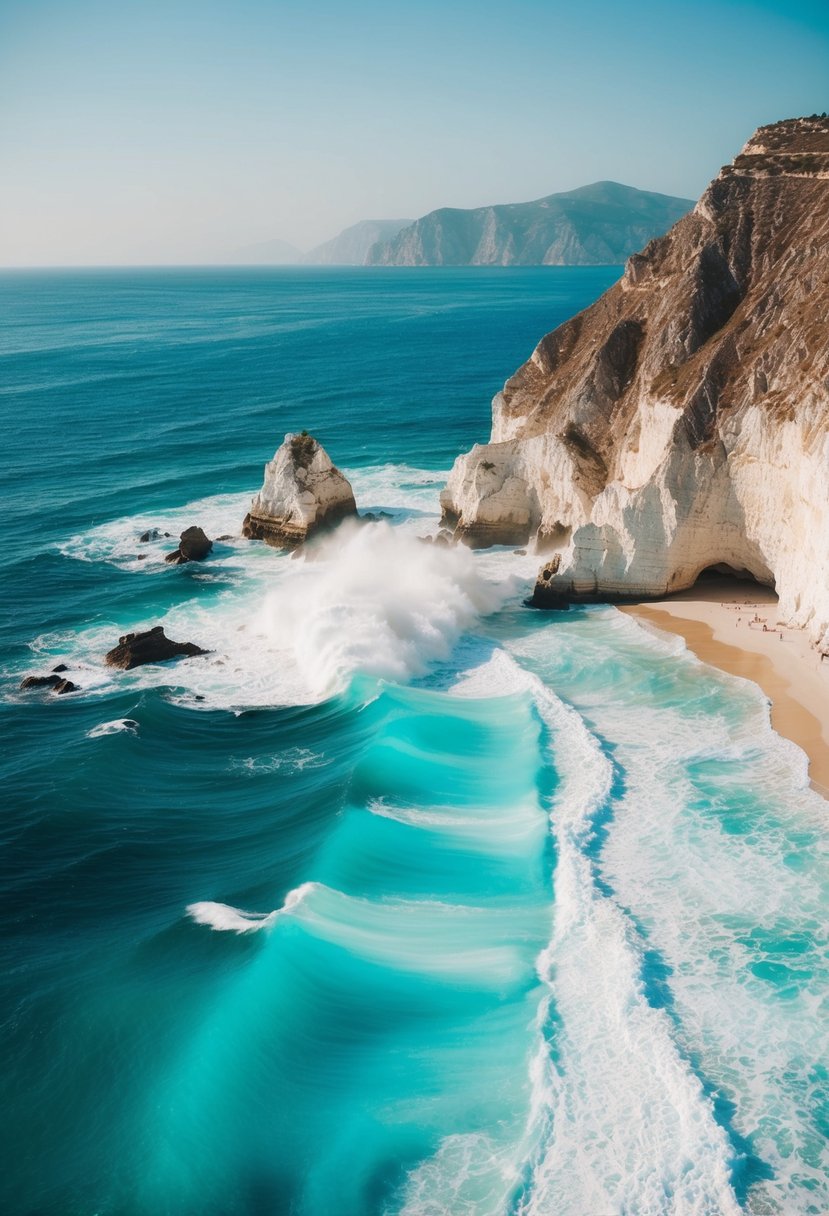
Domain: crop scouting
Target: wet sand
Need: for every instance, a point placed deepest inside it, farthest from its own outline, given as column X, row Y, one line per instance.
column 717, row 620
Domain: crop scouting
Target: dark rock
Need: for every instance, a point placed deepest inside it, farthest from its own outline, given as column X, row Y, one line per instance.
column 194, row 546
column 227, row 536
column 545, row 592
column 54, row 682
column 60, row 667
column 39, row 682
column 141, row 557
column 150, row 534
column 152, row 646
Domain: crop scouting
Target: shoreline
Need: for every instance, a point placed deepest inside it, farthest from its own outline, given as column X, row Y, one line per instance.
column 721, row 621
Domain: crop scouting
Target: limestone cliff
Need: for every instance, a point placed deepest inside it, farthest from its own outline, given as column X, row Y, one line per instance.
column 683, row 420
column 302, row 493
column 596, row 225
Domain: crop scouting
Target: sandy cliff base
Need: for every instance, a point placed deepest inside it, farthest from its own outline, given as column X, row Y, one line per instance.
column 722, row 622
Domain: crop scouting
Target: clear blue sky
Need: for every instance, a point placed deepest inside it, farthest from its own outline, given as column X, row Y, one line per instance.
column 177, row 131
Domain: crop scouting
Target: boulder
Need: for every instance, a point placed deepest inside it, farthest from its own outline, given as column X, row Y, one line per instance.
column 303, row 493
column 55, row 683
column 152, row 646
column 194, row 546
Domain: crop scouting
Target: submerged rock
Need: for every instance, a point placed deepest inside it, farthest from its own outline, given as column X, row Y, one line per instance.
column 303, row 493
column 194, row 546
column 152, row 646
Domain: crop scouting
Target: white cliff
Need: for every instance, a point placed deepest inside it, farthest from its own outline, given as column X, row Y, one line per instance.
column 682, row 422
column 303, row 492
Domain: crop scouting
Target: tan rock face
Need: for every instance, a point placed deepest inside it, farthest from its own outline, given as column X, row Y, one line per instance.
column 683, row 420
column 302, row 493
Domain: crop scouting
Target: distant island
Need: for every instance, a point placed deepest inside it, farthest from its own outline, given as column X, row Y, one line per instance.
column 597, row 225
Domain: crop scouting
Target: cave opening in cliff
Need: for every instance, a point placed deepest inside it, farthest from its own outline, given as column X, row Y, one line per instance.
column 720, row 571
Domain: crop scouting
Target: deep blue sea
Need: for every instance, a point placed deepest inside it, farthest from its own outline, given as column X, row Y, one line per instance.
column 405, row 898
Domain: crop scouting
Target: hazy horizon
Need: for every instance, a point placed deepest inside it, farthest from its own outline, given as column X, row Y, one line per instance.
column 182, row 133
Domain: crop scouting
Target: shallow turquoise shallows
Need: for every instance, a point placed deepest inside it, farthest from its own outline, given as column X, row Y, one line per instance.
column 404, row 898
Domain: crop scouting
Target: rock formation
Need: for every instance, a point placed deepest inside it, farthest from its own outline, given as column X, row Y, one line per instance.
column 682, row 421
column 596, row 225
column 302, row 494
column 55, row 683
column 152, row 646
column 194, row 546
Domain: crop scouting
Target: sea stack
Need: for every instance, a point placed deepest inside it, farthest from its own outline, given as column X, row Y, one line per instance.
column 682, row 421
column 303, row 493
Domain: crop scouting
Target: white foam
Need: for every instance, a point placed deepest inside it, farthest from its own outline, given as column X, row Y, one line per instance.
column 618, row 1120
column 115, row 727
column 226, row 919
column 376, row 603
column 702, row 887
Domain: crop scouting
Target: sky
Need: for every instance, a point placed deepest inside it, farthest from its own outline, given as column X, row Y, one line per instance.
column 178, row 131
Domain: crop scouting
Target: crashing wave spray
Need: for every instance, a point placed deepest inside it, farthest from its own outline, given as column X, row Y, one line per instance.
column 369, row 601
column 227, row 919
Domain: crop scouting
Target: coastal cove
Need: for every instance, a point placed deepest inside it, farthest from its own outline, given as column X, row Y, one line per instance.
column 717, row 620
column 390, row 895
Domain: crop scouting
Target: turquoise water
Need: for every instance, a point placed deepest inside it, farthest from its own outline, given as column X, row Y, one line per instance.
column 405, row 898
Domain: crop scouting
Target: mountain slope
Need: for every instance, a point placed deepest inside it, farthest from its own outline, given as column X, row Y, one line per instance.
column 349, row 247
column 600, row 224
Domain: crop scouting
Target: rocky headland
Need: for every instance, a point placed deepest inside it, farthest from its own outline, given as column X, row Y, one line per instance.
column 303, row 493
column 682, row 422
column 596, row 225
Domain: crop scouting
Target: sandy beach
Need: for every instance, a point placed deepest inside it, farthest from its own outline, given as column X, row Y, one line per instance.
column 722, row 622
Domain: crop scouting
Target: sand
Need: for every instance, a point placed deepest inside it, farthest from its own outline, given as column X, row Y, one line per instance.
column 717, row 620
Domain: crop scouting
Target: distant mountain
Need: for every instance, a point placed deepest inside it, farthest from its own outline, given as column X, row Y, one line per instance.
column 350, row 247
column 600, row 224
column 268, row 253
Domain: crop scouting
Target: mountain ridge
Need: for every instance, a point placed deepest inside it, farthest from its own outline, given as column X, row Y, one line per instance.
column 601, row 223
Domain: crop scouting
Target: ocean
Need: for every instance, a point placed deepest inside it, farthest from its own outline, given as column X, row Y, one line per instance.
column 404, row 898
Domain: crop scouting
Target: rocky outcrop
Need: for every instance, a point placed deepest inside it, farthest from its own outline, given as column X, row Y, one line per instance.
column 544, row 593
column 194, row 546
column 57, row 684
column 303, row 493
column 152, row 646
column 596, row 225
column 682, row 421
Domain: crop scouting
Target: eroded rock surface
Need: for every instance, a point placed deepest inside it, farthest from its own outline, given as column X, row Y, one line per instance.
column 193, row 546
column 151, row 646
column 683, row 420
column 303, row 493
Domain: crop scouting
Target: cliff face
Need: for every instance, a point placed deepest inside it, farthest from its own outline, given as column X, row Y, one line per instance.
column 597, row 225
column 302, row 494
column 350, row 247
column 683, row 420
